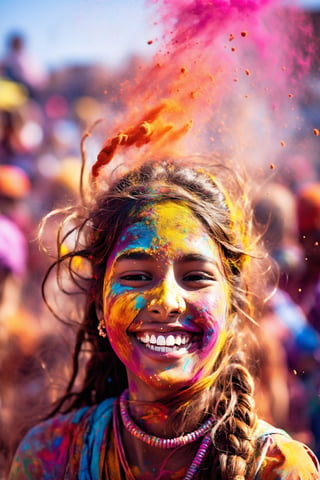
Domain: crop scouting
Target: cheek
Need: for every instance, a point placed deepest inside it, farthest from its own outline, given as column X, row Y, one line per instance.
column 121, row 306
column 210, row 312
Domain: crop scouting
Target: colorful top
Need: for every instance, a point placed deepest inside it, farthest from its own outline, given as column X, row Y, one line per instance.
column 73, row 446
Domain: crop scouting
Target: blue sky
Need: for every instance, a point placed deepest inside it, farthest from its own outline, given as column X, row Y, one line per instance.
column 60, row 31
column 64, row 31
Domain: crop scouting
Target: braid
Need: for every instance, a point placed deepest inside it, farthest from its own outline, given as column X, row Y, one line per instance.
column 233, row 433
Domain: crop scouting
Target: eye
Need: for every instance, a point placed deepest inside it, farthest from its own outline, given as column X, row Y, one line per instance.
column 135, row 279
column 198, row 278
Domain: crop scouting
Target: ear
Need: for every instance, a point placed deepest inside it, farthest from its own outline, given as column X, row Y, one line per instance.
column 99, row 310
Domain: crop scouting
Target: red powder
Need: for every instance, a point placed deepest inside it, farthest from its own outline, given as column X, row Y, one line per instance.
column 233, row 49
column 231, row 37
column 272, row 166
column 290, row 95
column 150, row 42
column 183, row 69
column 316, row 131
column 282, row 143
column 247, row 71
column 244, row 33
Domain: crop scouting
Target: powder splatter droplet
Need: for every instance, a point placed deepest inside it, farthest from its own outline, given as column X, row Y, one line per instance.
column 150, row 42
column 272, row 166
column 247, row 71
column 290, row 95
column 231, row 37
column 316, row 132
column 282, row 143
column 244, row 33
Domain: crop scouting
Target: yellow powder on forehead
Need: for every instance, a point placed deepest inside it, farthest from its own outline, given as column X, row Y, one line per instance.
column 175, row 219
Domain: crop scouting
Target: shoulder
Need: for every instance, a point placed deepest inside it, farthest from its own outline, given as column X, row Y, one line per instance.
column 47, row 449
column 281, row 457
column 43, row 451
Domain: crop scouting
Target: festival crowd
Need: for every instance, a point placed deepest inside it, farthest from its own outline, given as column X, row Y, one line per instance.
column 43, row 116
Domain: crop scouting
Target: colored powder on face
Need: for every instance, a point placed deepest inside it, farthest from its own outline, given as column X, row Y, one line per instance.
column 140, row 302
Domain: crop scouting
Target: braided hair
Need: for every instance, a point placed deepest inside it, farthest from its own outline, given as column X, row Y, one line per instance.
column 217, row 197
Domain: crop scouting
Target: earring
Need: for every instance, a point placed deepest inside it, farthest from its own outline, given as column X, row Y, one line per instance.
column 102, row 328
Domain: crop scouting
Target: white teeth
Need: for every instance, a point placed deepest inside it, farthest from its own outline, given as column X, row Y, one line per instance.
column 144, row 338
column 165, row 342
column 166, row 349
column 170, row 341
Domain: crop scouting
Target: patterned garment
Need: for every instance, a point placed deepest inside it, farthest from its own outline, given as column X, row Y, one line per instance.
column 73, row 447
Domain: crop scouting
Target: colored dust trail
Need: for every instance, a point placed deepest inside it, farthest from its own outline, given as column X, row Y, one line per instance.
column 226, row 77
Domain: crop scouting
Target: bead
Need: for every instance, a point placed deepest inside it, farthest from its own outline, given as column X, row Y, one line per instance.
column 159, row 442
column 200, row 455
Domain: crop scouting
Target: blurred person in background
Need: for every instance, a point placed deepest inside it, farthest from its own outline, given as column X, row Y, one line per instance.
column 308, row 293
column 29, row 347
column 294, row 351
column 20, row 66
column 13, row 339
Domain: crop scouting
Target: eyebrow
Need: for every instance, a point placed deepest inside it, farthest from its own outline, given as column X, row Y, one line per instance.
column 140, row 255
column 136, row 255
column 196, row 257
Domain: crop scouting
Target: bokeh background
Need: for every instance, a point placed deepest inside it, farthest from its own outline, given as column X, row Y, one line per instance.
column 62, row 66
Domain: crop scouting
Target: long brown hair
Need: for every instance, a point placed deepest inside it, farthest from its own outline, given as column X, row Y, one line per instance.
column 218, row 198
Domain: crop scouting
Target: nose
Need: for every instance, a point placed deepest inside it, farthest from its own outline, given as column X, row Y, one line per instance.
column 166, row 301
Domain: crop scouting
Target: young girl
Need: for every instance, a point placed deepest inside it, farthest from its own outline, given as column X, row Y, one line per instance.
column 173, row 285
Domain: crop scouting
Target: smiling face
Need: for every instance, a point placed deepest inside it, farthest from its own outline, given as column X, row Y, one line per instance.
column 165, row 300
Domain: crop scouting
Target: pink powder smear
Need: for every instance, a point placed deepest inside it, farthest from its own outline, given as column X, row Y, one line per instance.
column 227, row 77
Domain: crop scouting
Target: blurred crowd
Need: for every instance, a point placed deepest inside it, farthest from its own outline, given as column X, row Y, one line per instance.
column 42, row 118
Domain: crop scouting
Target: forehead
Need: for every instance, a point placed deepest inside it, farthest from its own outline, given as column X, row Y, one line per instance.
column 168, row 228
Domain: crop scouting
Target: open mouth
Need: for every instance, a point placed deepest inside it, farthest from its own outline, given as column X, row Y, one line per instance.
column 168, row 342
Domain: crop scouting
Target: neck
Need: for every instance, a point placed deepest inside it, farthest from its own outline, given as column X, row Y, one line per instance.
column 149, row 462
column 162, row 457
column 162, row 418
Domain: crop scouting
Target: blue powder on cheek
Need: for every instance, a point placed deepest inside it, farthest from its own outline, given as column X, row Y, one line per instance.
column 117, row 289
column 208, row 336
column 186, row 365
column 140, row 302
column 187, row 320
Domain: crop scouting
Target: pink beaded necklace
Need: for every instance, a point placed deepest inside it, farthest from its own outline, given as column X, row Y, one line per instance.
column 151, row 440
column 159, row 442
